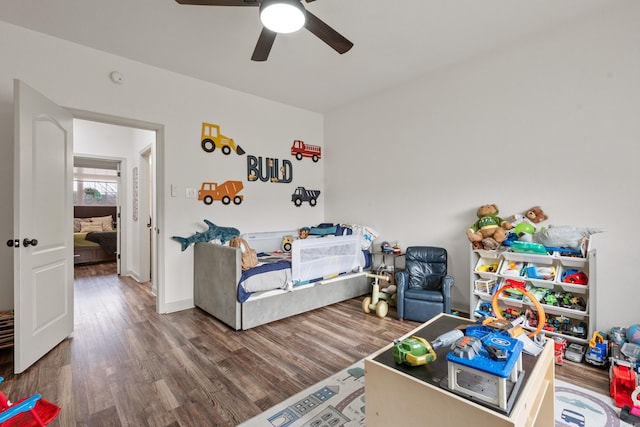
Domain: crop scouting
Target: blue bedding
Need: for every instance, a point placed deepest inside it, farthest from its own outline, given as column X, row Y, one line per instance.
column 276, row 275
column 264, row 269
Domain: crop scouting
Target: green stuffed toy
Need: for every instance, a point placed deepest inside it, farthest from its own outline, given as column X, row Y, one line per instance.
column 489, row 231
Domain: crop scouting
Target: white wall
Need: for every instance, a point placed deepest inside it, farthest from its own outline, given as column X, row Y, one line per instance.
column 550, row 121
column 77, row 77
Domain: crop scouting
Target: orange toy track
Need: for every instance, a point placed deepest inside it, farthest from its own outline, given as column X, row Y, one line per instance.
column 541, row 316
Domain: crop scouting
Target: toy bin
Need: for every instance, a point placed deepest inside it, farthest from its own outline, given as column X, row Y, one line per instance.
column 557, row 310
column 541, row 274
column 539, row 292
column 512, row 268
column 487, row 268
column 519, row 256
column 572, row 279
column 483, row 309
column 484, row 286
column 511, row 297
column 575, row 260
column 571, row 262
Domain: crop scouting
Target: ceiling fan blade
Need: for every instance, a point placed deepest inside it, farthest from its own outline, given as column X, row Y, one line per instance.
column 327, row 34
column 221, row 2
column 263, row 47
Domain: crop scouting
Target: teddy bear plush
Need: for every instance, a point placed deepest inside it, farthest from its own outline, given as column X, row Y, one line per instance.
column 533, row 216
column 536, row 215
column 489, row 231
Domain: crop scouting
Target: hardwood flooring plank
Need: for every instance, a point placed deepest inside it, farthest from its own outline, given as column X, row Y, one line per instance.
column 126, row 365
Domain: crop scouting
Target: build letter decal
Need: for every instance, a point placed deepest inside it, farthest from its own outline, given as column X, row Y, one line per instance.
column 269, row 169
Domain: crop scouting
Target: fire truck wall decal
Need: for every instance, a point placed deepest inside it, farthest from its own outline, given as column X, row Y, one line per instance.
column 300, row 150
column 225, row 192
column 212, row 139
column 301, row 194
column 269, row 170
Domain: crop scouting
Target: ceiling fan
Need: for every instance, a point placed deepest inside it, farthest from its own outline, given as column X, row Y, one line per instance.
column 291, row 13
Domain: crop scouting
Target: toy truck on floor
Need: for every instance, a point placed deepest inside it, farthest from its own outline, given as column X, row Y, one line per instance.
column 301, row 194
column 224, row 192
column 597, row 354
column 212, row 139
column 300, row 150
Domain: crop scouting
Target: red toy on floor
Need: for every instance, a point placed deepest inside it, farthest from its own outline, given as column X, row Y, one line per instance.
column 31, row 411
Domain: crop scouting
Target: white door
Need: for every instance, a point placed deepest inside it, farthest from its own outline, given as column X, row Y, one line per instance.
column 43, row 261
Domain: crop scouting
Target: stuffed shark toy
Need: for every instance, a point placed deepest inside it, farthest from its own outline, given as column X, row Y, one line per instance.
column 564, row 236
column 224, row 234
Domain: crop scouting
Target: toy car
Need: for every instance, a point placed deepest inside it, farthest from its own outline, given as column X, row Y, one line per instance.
column 413, row 351
column 598, row 350
column 597, row 355
column 574, row 352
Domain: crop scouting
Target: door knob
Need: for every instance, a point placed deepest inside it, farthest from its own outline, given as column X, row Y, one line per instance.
column 26, row 242
column 13, row 242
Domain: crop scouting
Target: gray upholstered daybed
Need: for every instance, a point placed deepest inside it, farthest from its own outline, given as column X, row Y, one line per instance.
column 218, row 272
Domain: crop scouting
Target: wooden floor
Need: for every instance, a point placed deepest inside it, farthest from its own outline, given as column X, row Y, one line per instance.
column 125, row 365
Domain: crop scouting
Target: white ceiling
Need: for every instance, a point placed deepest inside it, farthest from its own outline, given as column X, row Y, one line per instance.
column 394, row 41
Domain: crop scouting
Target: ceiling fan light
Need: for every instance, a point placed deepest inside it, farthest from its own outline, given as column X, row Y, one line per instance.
column 282, row 16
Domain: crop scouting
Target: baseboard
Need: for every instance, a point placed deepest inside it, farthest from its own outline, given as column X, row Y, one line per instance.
column 173, row 307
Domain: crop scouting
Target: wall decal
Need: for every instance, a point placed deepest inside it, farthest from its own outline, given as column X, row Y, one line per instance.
column 270, row 170
column 135, row 193
column 212, row 139
column 225, row 192
column 300, row 150
column 301, row 194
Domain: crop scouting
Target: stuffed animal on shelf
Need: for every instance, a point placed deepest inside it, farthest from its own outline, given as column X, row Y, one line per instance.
column 536, row 215
column 533, row 216
column 489, row 231
column 564, row 236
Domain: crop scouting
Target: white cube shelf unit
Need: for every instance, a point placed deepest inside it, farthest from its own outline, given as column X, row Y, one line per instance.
column 556, row 280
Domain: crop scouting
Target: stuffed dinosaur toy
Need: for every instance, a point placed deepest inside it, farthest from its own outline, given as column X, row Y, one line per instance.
column 224, row 234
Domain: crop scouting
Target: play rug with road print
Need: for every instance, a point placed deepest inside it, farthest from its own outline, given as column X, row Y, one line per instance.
column 576, row 406
column 339, row 401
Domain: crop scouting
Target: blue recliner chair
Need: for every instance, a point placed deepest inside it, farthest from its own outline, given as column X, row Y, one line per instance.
column 424, row 287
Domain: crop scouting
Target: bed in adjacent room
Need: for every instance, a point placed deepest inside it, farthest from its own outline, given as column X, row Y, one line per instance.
column 94, row 234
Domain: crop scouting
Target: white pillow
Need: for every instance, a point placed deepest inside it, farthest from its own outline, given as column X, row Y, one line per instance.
column 89, row 226
column 106, row 222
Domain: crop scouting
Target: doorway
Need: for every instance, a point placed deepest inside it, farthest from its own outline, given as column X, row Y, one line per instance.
column 97, row 194
column 133, row 148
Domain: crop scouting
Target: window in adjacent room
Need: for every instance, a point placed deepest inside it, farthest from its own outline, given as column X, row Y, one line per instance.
column 95, row 186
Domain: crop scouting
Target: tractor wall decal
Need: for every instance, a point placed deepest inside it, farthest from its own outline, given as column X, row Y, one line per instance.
column 212, row 138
